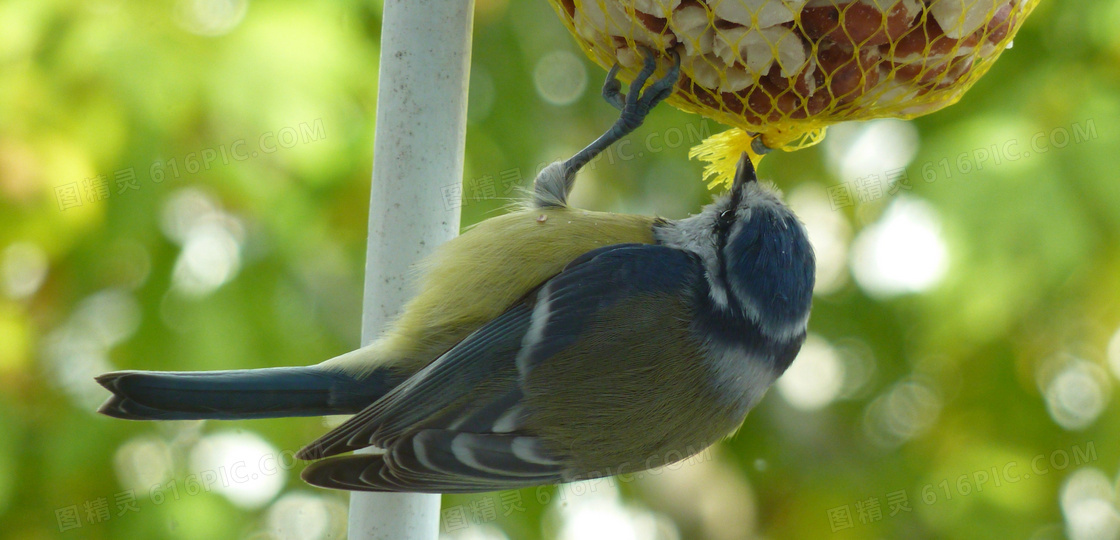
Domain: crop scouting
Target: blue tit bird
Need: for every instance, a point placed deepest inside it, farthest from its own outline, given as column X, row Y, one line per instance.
column 546, row 345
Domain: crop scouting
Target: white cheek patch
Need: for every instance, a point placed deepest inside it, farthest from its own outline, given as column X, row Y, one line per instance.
column 697, row 235
column 717, row 293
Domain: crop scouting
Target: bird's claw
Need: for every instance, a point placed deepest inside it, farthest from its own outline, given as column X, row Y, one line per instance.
column 612, row 89
column 635, row 105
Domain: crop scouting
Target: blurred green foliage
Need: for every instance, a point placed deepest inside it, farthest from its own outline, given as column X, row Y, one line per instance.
column 184, row 186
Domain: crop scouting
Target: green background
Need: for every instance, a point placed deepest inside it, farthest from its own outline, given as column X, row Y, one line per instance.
column 945, row 396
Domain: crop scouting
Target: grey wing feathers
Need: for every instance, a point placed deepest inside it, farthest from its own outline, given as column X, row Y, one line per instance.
column 442, row 461
column 427, row 393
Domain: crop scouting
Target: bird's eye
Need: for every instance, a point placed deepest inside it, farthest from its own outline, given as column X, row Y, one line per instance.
column 727, row 217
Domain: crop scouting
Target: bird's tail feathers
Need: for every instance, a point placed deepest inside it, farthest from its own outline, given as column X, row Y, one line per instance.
column 239, row 394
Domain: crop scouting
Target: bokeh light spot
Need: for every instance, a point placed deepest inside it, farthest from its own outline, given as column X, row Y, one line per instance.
column 142, row 463
column 815, row 378
column 23, row 267
column 1114, row 353
column 597, row 513
column 1087, row 499
column 306, row 516
column 211, row 240
column 1077, row 394
column 210, row 17
column 855, row 150
column 901, row 253
column 560, row 77
column 248, row 470
column 482, row 531
column 905, row 411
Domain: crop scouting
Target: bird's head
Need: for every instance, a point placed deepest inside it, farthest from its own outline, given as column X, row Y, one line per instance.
column 758, row 259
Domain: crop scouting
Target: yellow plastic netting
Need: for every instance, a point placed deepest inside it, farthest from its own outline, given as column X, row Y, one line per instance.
column 782, row 70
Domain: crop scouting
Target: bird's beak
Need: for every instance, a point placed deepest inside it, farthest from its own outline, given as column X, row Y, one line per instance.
column 744, row 172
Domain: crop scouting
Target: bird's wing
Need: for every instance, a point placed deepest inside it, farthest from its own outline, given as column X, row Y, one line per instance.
column 456, row 424
column 425, row 395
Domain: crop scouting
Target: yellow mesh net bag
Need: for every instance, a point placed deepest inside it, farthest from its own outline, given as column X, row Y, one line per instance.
column 780, row 71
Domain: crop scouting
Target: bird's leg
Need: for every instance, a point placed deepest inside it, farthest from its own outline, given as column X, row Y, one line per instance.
column 635, row 106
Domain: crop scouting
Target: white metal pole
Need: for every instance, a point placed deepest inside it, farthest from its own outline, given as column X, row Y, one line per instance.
column 418, row 153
